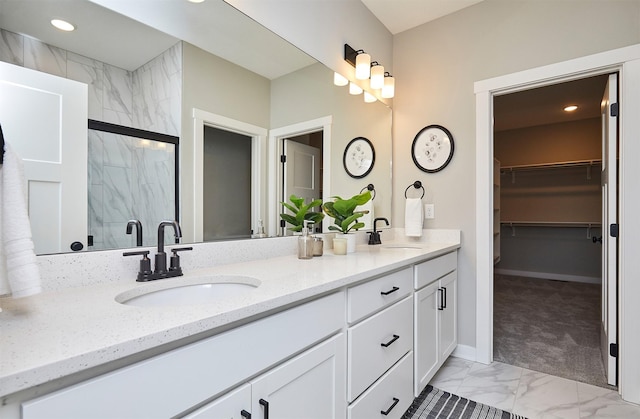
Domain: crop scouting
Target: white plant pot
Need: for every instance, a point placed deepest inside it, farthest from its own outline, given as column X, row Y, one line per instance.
column 351, row 241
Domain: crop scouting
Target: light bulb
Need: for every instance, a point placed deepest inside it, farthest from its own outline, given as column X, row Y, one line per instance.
column 377, row 76
column 339, row 79
column 363, row 66
column 369, row 98
column 354, row 89
column 388, row 90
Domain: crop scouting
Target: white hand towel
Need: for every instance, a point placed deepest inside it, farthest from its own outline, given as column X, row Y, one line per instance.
column 19, row 273
column 367, row 219
column 413, row 217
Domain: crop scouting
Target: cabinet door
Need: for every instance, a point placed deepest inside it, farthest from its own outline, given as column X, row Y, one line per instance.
column 426, row 336
column 448, row 330
column 234, row 405
column 312, row 385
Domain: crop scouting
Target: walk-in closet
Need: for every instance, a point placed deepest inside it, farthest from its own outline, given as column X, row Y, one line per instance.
column 548, row 210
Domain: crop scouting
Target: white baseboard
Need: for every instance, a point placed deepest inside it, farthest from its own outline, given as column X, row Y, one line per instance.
column 465, row 352
column 549, row 275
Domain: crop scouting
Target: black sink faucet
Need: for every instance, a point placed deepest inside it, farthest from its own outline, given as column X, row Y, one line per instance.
column 374, row 236
column 161, row 271
column 138, row 225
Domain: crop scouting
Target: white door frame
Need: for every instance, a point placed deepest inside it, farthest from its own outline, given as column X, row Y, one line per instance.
column 258, row 149
column 627, row 62
column 275, row 168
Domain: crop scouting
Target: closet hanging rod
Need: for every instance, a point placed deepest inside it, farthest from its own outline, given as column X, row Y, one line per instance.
column 578, row 224
column 574, row 163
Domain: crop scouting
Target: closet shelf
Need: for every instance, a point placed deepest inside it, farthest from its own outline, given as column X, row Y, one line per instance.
column 553, row 165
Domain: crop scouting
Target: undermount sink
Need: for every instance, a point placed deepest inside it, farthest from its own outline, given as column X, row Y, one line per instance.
column 190, row 291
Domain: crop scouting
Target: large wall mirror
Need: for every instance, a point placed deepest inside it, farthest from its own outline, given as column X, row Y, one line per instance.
column 185, row 69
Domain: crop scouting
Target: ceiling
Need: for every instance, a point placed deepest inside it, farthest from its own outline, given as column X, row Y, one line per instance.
column 220, row 29
column 400, row 15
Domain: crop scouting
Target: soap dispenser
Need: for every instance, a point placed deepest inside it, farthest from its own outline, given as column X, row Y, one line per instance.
column 305, row 242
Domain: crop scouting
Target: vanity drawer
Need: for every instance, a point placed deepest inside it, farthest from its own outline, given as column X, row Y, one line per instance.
column 433, row 269
column 377, row 343
column 372, row 296
column 394, row 385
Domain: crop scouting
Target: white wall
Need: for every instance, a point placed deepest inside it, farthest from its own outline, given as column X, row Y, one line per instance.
column 436, row 65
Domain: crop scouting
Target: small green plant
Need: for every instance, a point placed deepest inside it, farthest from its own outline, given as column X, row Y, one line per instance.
column 344, row 213
column 301, row 212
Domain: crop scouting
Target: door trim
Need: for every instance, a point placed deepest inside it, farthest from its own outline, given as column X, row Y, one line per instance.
column 275, row 168
column 626, row 61
column 258, row 149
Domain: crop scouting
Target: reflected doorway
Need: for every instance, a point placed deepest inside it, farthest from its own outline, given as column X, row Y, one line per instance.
column 302, row 170
column 227, row 185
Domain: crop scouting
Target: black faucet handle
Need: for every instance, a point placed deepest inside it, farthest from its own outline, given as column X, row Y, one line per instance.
column 174, row 263
column 145, row 264
column 144, row 253
column 180, row 249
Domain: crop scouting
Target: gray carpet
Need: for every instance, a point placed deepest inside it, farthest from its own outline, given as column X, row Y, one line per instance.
column 549, row 326
column 434, row 403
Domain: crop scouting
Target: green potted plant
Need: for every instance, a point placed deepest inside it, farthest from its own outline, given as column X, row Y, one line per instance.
column 345, row 216
column 301, row 212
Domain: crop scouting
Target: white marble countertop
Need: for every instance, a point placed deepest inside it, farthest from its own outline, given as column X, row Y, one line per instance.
column 58, row 333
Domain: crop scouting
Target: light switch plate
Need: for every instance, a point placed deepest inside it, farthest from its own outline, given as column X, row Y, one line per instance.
column 429, row 211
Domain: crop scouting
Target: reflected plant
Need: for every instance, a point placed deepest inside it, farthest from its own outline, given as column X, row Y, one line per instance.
column 301, row 212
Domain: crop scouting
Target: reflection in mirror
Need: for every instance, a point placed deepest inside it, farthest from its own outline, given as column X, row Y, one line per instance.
column 230, row 66
column 132, row 176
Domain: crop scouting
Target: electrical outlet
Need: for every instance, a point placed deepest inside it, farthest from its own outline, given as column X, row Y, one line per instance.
column 429, row 211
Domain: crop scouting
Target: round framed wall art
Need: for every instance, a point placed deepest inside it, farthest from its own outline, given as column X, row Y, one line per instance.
column 358, row 158
column 432, row 148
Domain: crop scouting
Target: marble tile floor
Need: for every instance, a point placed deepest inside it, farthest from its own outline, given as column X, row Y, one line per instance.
column 530, row 393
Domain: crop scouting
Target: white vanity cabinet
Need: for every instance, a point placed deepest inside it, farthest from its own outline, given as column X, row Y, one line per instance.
column 178, row 381
column 435, row 316
column 380, row 343
column 304, row 387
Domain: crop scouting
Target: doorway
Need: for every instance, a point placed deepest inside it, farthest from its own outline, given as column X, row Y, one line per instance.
column 548, row 211
column 227, row 185
column 302, row 167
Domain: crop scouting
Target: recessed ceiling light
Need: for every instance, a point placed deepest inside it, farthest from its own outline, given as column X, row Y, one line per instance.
column 196, row 1
column 63, row 25
column 571, row 108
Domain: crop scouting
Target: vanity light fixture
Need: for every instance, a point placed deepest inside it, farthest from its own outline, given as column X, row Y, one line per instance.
column 339, row 79
column 63, row 25
column 389, row 88
column 570, row 108
column 354, row 89
column 380, row 79
column 377, row 75
column 369, row 98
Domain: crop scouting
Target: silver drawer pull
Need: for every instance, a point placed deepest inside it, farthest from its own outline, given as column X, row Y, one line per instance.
column 395, row 337
column 386, row 412
column 391, row 291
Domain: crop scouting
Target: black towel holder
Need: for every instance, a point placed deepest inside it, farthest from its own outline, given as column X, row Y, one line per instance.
column 418, row 185
column 371, row 188
column 1, row 146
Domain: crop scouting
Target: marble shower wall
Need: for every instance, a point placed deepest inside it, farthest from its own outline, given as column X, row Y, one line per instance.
column 148, row 98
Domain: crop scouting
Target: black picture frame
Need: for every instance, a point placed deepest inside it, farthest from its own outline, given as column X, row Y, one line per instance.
column 432, row 148
column 359, row 157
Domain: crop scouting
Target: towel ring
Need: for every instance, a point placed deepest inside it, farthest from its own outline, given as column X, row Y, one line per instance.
column 370, row 187
column 418, row 185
